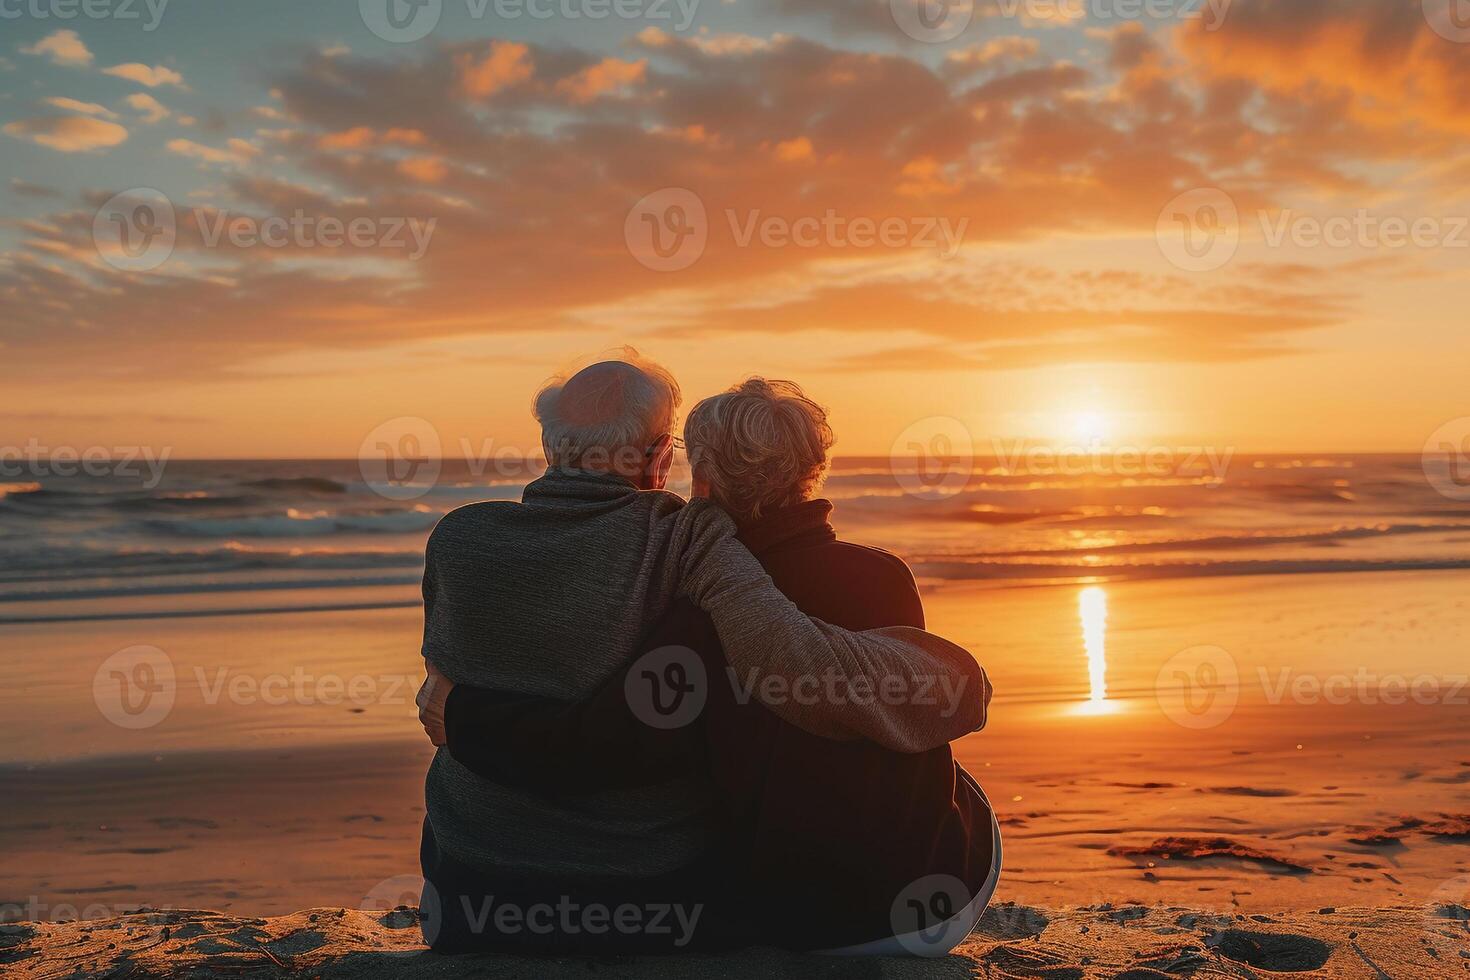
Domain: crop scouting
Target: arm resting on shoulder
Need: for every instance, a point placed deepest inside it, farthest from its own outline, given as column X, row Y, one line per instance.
column 900, row 687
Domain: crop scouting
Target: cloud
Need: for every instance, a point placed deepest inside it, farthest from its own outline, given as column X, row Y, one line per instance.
column 1368, row 62
column 429, row 170
column 152, row 110
column 144, row 75
column 86, row 108
column 607, row 76
column 505, row 64
column 237, row 151
column 27, row 189
column 69, row 134
column 62, row 47
column 999, row 49
column 530, row 170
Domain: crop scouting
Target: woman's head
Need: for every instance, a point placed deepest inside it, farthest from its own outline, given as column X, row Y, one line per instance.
column 759, row 446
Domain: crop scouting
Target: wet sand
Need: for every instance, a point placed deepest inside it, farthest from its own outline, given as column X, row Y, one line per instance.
column 262, row 808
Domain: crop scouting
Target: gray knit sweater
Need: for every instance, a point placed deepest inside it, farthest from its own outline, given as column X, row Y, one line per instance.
column 551, row 596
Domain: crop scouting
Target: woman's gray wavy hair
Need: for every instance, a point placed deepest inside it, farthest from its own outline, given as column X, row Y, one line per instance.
column 761, row 445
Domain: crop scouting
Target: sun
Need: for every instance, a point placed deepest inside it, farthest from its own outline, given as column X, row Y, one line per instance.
column 1089, row 426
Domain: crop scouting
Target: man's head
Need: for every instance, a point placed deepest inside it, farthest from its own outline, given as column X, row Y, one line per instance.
column 759, row 446
column 616, row 416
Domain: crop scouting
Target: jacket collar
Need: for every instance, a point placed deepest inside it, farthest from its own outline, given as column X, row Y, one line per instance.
column 798, row 526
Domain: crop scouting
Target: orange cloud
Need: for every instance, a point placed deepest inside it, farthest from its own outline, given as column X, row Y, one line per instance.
column 1384, row 57
column 429, row 170
column 152, row 77
column 608, row 75
column 69, row 134
column 504, row 65
column 62, row 47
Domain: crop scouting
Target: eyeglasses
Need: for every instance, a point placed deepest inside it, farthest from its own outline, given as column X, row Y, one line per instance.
column 678, row 442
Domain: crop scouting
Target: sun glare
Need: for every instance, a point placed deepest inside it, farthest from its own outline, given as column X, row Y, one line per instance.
column 1092, row 609
column 1089, row 426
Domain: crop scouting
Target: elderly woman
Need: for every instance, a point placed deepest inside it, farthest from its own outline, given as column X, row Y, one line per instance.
column 834, row 846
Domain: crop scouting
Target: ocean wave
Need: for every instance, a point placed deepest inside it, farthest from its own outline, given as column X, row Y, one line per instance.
column 991, row 570
column 1228, row 542
column 61, row 563
column 295, row 524
column 298, row 484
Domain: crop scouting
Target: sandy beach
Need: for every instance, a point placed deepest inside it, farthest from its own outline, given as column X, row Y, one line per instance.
column 1127, row 942
column 263, row 806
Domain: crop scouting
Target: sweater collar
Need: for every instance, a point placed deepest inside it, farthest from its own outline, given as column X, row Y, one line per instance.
column 800, row 525
column 565, row 483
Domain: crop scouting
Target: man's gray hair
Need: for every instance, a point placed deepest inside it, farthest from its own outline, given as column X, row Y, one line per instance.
column 608, row 412
column 761, row 445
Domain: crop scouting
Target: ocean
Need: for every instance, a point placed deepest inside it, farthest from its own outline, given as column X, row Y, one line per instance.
column 232, row 536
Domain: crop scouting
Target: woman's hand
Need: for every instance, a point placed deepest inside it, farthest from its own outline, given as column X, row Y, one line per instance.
column 433, row 693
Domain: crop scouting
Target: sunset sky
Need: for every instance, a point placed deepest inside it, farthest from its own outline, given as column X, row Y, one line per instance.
column 1052, row 137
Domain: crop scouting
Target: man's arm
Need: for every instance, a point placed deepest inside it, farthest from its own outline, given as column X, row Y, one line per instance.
column 900, row 687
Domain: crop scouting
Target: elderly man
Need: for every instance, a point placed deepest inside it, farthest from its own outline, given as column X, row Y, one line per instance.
column 549, row 597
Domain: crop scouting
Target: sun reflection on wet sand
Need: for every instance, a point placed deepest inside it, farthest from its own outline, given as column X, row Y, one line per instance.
column 1092, row 609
